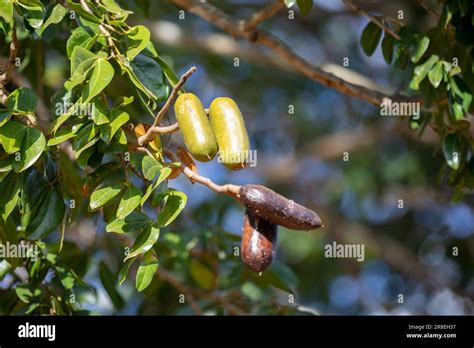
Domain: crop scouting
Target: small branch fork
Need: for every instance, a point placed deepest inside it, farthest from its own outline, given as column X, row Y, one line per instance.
column 374, row 19
column 262, row 15
column 155, row 128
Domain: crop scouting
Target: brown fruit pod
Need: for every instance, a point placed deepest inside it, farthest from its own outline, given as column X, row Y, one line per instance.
column 175, row 172
column 259, row 238
column 187, row 160
column 273, row 207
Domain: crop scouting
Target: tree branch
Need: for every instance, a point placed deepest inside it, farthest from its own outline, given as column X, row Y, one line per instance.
column 231, row 25
column 373, row 19
column 262, row 15
column 428, row 8
column 155, row 129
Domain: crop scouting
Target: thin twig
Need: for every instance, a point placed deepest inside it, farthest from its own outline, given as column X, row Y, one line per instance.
column 228, row 189
column 102, row 29
column 374, row 19
column 138, row 173
column 154, row 129
column 125, row 167
column 428, row 8
column 167, row 129
column 262, row 15
column 264, row 38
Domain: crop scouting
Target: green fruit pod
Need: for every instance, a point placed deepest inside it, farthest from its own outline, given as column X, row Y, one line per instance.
column 231, row 134
column 195, row 127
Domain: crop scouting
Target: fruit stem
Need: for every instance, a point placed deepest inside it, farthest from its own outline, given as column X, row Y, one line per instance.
column 228, row 189
column 155, row 128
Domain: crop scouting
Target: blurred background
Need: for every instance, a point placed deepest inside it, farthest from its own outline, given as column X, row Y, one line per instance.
column 372, row 181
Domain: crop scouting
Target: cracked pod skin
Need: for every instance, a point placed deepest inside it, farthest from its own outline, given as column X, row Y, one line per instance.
column 273, row 207
column 259, row 238
column 195, row 127
column 229, row 128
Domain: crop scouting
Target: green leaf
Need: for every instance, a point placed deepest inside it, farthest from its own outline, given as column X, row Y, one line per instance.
column 202, row 275
column 66, row 276
column 134, row 222
column 34, row 194
column 83, row 14
column 49, row 216
column 150, row 74
column 112, row 7
column 22, row 100
column 61, row 136
column 117, row 119
column 420, row 49
column 447, row 15
column 6, row 14
column 123, row 101
column 169, row 72
column 436, row 74
column 150, row 167
column 79, row 37
column 175, row 201
column 136, row 41
column 33, row 11
column 5, row 116
column 71, row 185
column 100, row 113
column 290, row 3
column 11, row 136
column 370, row 38
column 5, row 166
column 56, row 16
column 10, row 194
column 165, row 172
column 280, row 276
column 108, row 281
column 86, row 137
column 33, row 145
column 387, row 48
column 104, row 195
column 129, row 202
column 124, row 271
column 80, row 55
column 144, row 242
column 461, row 90
column 252, row 291
column 146, row 271
column 305, row 6
column 421, row 71
column 102, row 74
column 23, row 292
column 452, row 150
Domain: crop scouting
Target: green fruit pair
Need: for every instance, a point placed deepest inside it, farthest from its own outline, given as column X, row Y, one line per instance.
column 224, row 130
